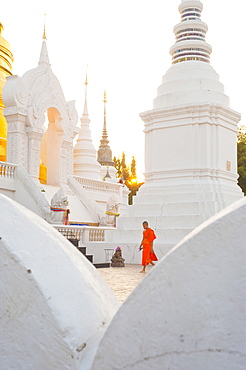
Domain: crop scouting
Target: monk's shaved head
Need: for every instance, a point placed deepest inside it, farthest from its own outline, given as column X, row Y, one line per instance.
column 145, row 225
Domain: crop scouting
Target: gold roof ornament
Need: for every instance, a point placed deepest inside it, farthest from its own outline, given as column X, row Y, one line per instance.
column 44, row 33
column 86, row 75
column 85, row 113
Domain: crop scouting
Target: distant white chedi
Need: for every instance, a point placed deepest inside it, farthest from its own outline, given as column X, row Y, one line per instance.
column 190, row 144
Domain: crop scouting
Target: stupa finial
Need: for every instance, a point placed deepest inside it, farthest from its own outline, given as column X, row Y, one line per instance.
column 85, row 113
column 190, row 44
column 44, row 57
column 105, row 97
column 86, row 75
column 44, row 33
column 105, row 115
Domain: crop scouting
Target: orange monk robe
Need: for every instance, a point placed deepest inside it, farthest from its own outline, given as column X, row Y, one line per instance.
column 148, row 257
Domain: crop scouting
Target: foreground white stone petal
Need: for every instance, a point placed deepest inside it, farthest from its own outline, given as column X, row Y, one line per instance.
column 54, row 305
column 189, row 311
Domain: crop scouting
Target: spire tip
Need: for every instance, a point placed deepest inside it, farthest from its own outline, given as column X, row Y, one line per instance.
column 44, row 33
column 86, row 75
column 105, row 97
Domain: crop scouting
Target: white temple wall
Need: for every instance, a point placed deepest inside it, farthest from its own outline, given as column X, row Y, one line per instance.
column 176, row 141
column 195, row 138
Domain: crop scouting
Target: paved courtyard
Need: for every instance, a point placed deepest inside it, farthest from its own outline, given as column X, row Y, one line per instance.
column 122, row 280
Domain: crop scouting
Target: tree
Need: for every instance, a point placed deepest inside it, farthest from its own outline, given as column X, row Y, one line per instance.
column 241, row 158
column 134, row 168
column 125, row 171
column 128, row 174
column 117, row 164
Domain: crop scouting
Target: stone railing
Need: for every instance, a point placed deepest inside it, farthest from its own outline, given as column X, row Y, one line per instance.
column 99, row 186
column 7, row 170
column 97, row 235
column 70, row 232
column 83, row 233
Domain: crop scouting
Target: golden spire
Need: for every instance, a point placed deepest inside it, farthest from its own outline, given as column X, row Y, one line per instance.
column 104, row 153
column 44, row 57
column 105, row 97
column 86, row 83
column 86, row 75
column 44, row 33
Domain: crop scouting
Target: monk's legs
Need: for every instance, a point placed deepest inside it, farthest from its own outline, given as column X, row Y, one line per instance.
column 143, row 269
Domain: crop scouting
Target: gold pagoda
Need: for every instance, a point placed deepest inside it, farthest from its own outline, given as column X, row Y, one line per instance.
column 6, row 61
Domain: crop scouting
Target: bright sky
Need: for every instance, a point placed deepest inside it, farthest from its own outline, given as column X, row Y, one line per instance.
column 126, row 46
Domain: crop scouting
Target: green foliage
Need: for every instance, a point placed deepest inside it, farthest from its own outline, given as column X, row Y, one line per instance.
column 134, row 168
column 241, row 158
column 123, row 171
column 128, row 173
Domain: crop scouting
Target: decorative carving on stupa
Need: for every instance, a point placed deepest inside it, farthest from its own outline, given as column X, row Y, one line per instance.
column 104, row 153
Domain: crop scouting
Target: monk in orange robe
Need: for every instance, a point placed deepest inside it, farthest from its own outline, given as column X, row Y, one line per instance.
column 148, row 255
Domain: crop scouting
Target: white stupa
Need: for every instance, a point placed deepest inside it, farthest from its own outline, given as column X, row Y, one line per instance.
column 190, row 143
column 85, row 162
column 104, row 153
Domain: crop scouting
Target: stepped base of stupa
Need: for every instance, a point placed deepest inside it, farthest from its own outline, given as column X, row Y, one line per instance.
column 172, row 211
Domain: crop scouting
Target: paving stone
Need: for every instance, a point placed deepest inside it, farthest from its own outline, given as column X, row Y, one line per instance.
column 122, row 280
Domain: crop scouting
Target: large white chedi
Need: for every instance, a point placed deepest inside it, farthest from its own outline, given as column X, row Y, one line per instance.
column 190, row 141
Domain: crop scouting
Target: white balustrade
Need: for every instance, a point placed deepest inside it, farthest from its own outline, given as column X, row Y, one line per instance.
column 70, row 232
column 100, row 186
column 96, row 236
column 93, row 233
column 7, row 170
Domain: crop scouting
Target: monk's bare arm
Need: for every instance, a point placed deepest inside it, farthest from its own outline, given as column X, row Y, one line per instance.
column 141, row 242
column 151, row 248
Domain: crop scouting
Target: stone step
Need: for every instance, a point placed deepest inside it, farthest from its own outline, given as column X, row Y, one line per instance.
column 75, row 242
column 101, row 265
column 89, row 257
column 177, row 198
column 160, row 222
column 82, row 250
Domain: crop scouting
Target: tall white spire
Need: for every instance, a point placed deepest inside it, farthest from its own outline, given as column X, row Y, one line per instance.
column 104, row 153
column 190, row 34
column 85, row 163
column 44, row 57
